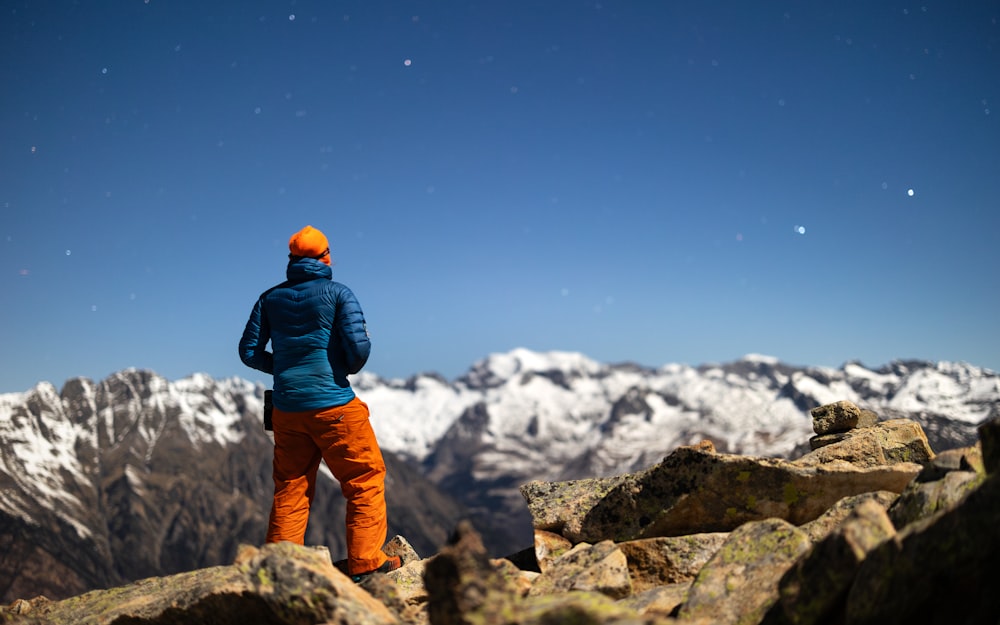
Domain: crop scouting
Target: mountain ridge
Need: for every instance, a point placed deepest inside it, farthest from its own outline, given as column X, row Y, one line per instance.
column 138, row 475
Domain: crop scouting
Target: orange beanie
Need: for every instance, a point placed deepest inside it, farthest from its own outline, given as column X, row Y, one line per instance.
column 310, row 243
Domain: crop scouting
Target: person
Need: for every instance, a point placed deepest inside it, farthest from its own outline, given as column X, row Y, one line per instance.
column 318, row 337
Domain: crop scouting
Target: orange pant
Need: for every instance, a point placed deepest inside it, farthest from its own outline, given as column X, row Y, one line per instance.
column 344, row 439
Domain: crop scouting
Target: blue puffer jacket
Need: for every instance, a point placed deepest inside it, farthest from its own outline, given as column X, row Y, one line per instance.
column 317, row 333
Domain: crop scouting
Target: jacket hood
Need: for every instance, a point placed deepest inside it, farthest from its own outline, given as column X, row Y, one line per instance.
column 302, row 269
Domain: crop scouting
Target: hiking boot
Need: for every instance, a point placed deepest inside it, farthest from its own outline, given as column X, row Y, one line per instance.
column 391, row 564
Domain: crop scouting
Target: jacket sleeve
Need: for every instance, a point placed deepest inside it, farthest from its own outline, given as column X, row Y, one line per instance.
column 352, row 330
column 256, row 335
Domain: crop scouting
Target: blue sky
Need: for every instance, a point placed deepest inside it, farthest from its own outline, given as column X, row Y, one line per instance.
column 655, row 182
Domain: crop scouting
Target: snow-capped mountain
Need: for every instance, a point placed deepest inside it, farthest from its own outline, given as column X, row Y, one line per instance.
column 524, row 415
column 565, row 406
column 137, row 475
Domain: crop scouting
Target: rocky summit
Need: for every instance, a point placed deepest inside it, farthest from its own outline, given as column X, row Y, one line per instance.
column 870, row 527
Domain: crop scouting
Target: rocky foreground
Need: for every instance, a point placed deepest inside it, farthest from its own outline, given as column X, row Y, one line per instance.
column 871, row 526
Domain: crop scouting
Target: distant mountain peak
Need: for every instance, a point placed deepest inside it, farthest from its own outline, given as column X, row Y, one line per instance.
column 499, row 367
column 761, row 358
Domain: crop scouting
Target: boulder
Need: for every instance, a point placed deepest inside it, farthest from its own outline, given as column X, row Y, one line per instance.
column 841, row 416
column 548, row 547
column 278, row 583
column 461, row 581
column 845, row 446
column 402, row 591
column 941, row 569
column 921, row 500
column 658, row 601
column 812, row 592
column 465, row 588
column 739, row 584
column 667, row 560
column 989, row 440
column 888, row 442
column 692, row 492
column 961, row 459
column 577, row 607
column 824, row 524
column 600, row 568
column 554, row 504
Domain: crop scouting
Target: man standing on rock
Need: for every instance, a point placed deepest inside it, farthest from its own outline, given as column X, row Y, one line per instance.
column 318, row 337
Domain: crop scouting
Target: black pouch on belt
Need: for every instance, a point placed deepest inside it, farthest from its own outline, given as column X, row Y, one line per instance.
column 268, row 409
